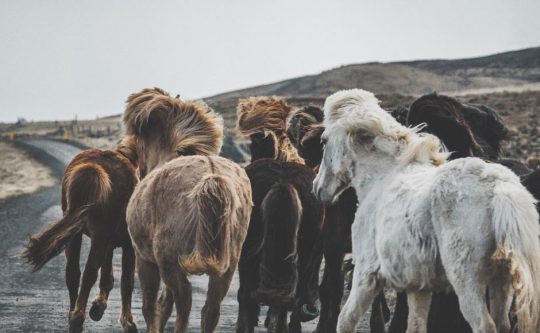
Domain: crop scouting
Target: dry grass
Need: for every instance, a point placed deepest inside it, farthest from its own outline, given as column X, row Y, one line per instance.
column 19, row 173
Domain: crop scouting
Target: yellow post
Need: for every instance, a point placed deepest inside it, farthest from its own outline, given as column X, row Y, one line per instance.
column 11, row 135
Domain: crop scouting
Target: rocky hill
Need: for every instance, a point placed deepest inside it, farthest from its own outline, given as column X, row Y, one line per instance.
column 508, row 82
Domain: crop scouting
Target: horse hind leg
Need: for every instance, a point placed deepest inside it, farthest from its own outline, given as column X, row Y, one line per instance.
column 277, row 322
column 166, row 302
column 176, row 282
column 217, row 289
column 500, row 302
column 98, row 250
column 466, row 272
column 419, row 302
column 149, row 278
column 73, row 272
column 127, row 283
column 106, row 283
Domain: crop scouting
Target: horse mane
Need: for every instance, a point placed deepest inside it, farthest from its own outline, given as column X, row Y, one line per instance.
column 467, row 129
column 267, row 115
column 135, row 104
column 189, row 125
column 358, row 112
column 304, row 128
column 261, row 114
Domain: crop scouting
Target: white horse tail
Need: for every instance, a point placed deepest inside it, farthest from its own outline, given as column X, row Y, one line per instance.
column 517, row 232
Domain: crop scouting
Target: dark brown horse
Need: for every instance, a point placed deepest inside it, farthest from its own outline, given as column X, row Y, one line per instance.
column 304, row 128
column 281, row 255
column 96, row 188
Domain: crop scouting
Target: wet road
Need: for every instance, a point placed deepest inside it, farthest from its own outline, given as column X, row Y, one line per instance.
column 39, row 302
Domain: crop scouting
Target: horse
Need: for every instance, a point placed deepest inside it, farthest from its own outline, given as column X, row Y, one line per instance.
column 466, row 130
column 281, row 256
column 96, row 187
column 463, row 224
column 190, row 213
column 304, row 129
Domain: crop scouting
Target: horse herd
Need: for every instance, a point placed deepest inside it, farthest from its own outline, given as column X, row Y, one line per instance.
column 419, row 196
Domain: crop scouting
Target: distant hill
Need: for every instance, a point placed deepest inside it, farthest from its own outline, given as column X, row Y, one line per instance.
column 513, row 71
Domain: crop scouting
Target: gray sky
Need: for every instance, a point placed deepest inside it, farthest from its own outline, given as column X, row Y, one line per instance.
column 59, row 59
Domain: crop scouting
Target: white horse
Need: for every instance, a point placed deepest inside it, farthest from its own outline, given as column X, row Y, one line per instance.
column 424, row 224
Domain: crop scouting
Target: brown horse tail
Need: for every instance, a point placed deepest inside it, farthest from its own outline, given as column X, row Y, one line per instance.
column 281, row 212
column 86, row 183
column 213, row 217
column 54, row 239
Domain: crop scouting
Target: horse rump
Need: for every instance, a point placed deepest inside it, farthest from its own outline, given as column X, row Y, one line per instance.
column 213, row 217
column 281, row 211
column 85, row 185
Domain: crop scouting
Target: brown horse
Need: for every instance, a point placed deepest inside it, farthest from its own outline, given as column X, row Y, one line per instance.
column 190, row 213
column 96, row 188
column 304, row 128
column 281, row 256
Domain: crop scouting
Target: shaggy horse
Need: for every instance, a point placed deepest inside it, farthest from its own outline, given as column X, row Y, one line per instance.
column 281, row 255
column 189, row 215
column 304, row 129
column 466, row 130
column 96, row 187
column 464, row 224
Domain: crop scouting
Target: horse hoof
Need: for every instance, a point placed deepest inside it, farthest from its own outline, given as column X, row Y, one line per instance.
column 308, row 312
column 295, row 327
column 97, row 310
column 76, row 321
column 130, row 328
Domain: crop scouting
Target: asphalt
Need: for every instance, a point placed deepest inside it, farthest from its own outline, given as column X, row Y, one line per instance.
column 39, row 302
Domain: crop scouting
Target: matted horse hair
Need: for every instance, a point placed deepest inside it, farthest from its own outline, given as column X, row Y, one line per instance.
column 267, row 115
column 189, row 125
column 302, row 119
column 261, row 114
column 445, row 119
column 135, row 104
column 358, row 111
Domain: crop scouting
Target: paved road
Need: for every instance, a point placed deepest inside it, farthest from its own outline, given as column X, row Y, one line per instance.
column 39, row 302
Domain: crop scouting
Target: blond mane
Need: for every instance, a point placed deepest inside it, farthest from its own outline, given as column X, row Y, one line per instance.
column 358, row 111
column 186, row 124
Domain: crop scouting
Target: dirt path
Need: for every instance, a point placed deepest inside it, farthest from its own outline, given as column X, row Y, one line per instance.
column 39, row 302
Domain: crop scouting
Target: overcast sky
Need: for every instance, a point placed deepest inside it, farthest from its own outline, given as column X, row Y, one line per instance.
column 59, row 59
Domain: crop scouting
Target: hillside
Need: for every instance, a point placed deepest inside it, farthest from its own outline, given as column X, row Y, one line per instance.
column 512, row 71
column 508, row 82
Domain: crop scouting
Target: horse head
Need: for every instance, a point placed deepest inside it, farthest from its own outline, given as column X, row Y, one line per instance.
column 362, row 141
column 167, row 127
column 263, row 119
column 304, row 129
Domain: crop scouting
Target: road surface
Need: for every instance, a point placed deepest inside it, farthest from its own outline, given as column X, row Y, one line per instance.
column 39, row 302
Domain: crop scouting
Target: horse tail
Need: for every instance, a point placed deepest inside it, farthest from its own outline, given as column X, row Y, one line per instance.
column 517, row 234
column 213, row 220
column 281, row 211
column 87, row 183
column 54, row 239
